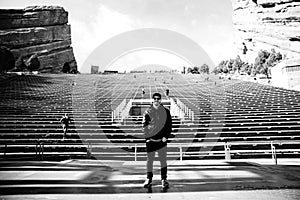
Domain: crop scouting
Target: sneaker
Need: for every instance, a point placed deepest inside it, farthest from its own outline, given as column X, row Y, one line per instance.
column 147, row 183
column 165, row 184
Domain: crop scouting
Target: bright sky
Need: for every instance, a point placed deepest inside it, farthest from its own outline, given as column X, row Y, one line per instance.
column 145, row 57
column 206, row 22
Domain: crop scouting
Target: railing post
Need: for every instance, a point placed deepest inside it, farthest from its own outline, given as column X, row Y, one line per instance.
column 135, row 152
column 42, row 151
column 89, row 151
column 180, row 150
column 5, row 149
column 37, row 150
column 273, row 150
column 227, row 152
column 193, row 116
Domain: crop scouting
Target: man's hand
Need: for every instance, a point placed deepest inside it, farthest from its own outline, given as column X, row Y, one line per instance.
column 164, row 139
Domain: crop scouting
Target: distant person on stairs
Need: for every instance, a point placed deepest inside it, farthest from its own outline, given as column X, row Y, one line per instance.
column 167, row 92
column 157, row 127
column 143, row 91
column 65, row 120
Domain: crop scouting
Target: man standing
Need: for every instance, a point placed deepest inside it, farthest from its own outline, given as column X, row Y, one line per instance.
column 157, row 127
column 65, row 120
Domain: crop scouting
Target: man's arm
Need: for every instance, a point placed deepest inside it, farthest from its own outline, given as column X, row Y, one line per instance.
column 146, row 122
column 168, row 124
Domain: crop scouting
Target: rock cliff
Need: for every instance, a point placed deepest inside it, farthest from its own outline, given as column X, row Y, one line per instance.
column 40, row 31
column 267, row 24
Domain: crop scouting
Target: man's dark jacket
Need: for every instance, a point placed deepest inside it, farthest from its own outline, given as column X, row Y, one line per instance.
column 157, row 123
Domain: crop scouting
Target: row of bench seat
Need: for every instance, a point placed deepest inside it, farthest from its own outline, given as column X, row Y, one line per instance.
column 240, row 114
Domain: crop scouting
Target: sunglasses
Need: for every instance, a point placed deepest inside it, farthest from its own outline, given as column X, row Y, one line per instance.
column 156, row 98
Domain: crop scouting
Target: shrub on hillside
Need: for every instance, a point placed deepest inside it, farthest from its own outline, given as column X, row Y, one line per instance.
column 265, row 61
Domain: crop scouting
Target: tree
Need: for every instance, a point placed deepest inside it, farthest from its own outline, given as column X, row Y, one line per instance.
column 194, row 70
column 237, row 64
column 219, row 69
column 230, row 65
column 204, row 69
column 216, row 70
column 246, row 68
column 266, row 60
column 253, row 70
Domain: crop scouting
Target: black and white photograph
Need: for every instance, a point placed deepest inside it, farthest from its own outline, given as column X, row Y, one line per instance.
column 150, row 99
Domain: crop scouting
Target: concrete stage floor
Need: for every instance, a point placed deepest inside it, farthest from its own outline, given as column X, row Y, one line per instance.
column 202, row 179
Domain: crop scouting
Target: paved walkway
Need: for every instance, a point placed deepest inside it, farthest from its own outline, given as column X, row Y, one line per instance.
column 287, row 194
column 207, row 179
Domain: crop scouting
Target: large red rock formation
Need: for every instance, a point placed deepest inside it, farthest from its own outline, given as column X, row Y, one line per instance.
column 267, row 24
column 42, row 31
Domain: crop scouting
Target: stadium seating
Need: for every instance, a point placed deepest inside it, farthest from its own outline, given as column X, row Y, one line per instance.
column 221, row 118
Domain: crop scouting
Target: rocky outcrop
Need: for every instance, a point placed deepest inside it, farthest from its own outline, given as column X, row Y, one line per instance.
column 267, row 24
column 42, row 31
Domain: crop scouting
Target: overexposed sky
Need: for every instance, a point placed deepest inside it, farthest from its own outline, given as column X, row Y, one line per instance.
column 207, row 22
column 145, row 57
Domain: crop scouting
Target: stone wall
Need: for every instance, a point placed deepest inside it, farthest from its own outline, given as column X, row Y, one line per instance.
column 267, row 24
column 39, row 30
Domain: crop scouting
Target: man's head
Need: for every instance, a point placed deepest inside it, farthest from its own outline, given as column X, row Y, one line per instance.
column 156, row 99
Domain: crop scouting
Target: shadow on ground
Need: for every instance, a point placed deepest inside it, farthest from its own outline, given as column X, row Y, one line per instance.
column 95, row 177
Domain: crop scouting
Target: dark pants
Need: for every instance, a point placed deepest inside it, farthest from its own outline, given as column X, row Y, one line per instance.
column 161, row 149
column 65, row 129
